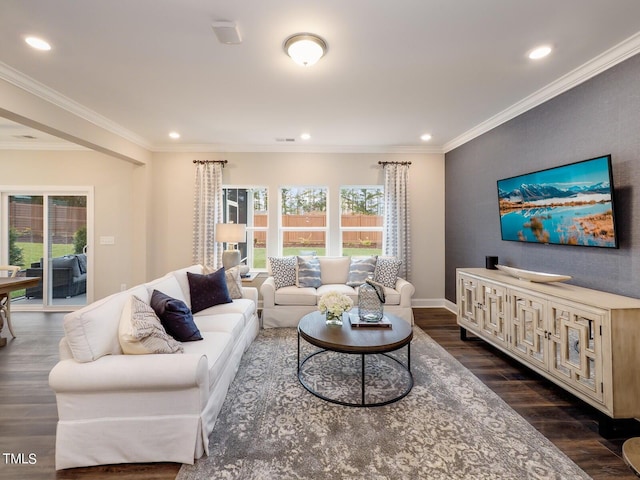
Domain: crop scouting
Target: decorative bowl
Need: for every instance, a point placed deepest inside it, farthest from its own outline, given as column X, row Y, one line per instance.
column 539, row 277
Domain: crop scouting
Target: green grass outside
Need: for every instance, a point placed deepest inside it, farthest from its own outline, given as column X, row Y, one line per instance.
column 32, row 253
column 260, row 254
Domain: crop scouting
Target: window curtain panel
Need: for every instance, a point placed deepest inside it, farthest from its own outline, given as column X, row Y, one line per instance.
column 207, row 212
column 397, row 226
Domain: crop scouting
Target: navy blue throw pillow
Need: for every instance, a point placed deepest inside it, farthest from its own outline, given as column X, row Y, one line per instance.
column 208, row 290
column 175, row 316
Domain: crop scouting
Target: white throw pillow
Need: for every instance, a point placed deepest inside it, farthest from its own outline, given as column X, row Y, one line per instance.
column 234, row 282
column 92, row 331
column 140, row 331
column 334, row 270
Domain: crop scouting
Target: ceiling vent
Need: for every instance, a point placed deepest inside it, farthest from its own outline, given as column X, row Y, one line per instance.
column 227, row 32
column 26, row 137
column 285, row 139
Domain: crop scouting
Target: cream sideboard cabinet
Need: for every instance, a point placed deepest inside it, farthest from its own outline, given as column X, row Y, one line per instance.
column 586, row 341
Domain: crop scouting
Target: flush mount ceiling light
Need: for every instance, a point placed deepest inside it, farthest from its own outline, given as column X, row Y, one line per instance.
column 174, row 135
column 425, row 137
column 38, row 43
column 305, row 136
column 305, row 48
column 539, row 52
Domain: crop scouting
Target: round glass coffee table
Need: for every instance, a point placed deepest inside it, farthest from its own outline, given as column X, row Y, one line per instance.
column 362, row 341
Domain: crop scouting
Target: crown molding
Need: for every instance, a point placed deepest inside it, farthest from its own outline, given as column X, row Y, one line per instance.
column 621, row 52
column 608, row 59
column 32, row 86
column 222, row 148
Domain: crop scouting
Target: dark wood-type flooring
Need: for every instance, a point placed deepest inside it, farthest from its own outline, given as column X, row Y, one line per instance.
column 28, row 411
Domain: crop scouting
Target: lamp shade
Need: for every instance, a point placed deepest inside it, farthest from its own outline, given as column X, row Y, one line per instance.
column 231, row 232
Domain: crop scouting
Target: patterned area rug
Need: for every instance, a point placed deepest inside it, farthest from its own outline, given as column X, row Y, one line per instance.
column 450, row 426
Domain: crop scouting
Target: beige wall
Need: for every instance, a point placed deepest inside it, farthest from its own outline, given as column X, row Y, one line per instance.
column 149, row 209
column 119, row 205
column 171, row 218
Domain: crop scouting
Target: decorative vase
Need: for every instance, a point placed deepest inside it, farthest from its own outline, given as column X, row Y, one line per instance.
column 370, row 302
column 333, row 319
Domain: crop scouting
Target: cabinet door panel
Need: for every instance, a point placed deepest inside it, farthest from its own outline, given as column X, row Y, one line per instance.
column 575, row 348
column 468, row 309
column 528, row 328
column 494, row 314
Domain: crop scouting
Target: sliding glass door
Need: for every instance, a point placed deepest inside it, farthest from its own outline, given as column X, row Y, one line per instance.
column 46, row 236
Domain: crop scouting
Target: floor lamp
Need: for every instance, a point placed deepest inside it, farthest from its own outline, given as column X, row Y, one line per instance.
column 231, row 234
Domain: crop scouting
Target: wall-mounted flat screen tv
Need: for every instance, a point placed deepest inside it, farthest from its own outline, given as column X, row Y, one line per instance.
column 566, row 205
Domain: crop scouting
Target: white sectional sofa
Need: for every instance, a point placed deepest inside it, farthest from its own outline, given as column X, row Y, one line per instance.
column 116, row 408
column 285, row 306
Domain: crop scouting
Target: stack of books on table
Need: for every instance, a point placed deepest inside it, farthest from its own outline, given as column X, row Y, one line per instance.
column 357, row 322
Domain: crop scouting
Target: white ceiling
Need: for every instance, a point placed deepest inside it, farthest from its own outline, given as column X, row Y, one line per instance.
column 394, row 70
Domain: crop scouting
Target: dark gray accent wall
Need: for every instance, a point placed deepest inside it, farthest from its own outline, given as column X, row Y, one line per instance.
column 598, row 117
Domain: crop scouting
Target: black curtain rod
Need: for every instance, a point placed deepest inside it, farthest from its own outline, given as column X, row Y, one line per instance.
column 393, row 163
column 202, row 162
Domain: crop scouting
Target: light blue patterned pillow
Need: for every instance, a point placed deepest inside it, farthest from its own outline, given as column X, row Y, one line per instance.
column 309, row 272
column 361, row 269
column 386, row 272
column 283, row 270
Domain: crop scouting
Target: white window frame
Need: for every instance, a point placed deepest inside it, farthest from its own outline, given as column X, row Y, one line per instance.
column 282, row 229
column 251, row 229
column 357, row 229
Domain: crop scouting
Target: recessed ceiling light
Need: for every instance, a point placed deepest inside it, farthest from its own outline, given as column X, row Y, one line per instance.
column 425, row 138
column 38, row 43
column 539, row 52
column 174, row 135
column 305, row 136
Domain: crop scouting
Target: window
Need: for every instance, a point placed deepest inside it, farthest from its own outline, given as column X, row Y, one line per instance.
column 303, row 220
column 248, row 205
column 361, row 220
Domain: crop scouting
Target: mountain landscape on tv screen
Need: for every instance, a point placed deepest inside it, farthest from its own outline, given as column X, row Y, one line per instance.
column 569, row 205
column 531, row 193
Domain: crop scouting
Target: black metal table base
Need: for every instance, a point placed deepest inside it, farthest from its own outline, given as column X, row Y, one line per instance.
column 362, row 402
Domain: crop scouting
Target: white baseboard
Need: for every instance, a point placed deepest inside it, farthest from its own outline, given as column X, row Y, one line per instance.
column 434, row 303
column 420, row 303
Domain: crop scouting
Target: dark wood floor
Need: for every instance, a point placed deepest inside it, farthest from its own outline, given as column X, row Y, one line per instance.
column 568, row 422
column 28, row 412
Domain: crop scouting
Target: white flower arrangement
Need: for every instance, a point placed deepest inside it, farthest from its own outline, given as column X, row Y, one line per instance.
column 335, row 303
